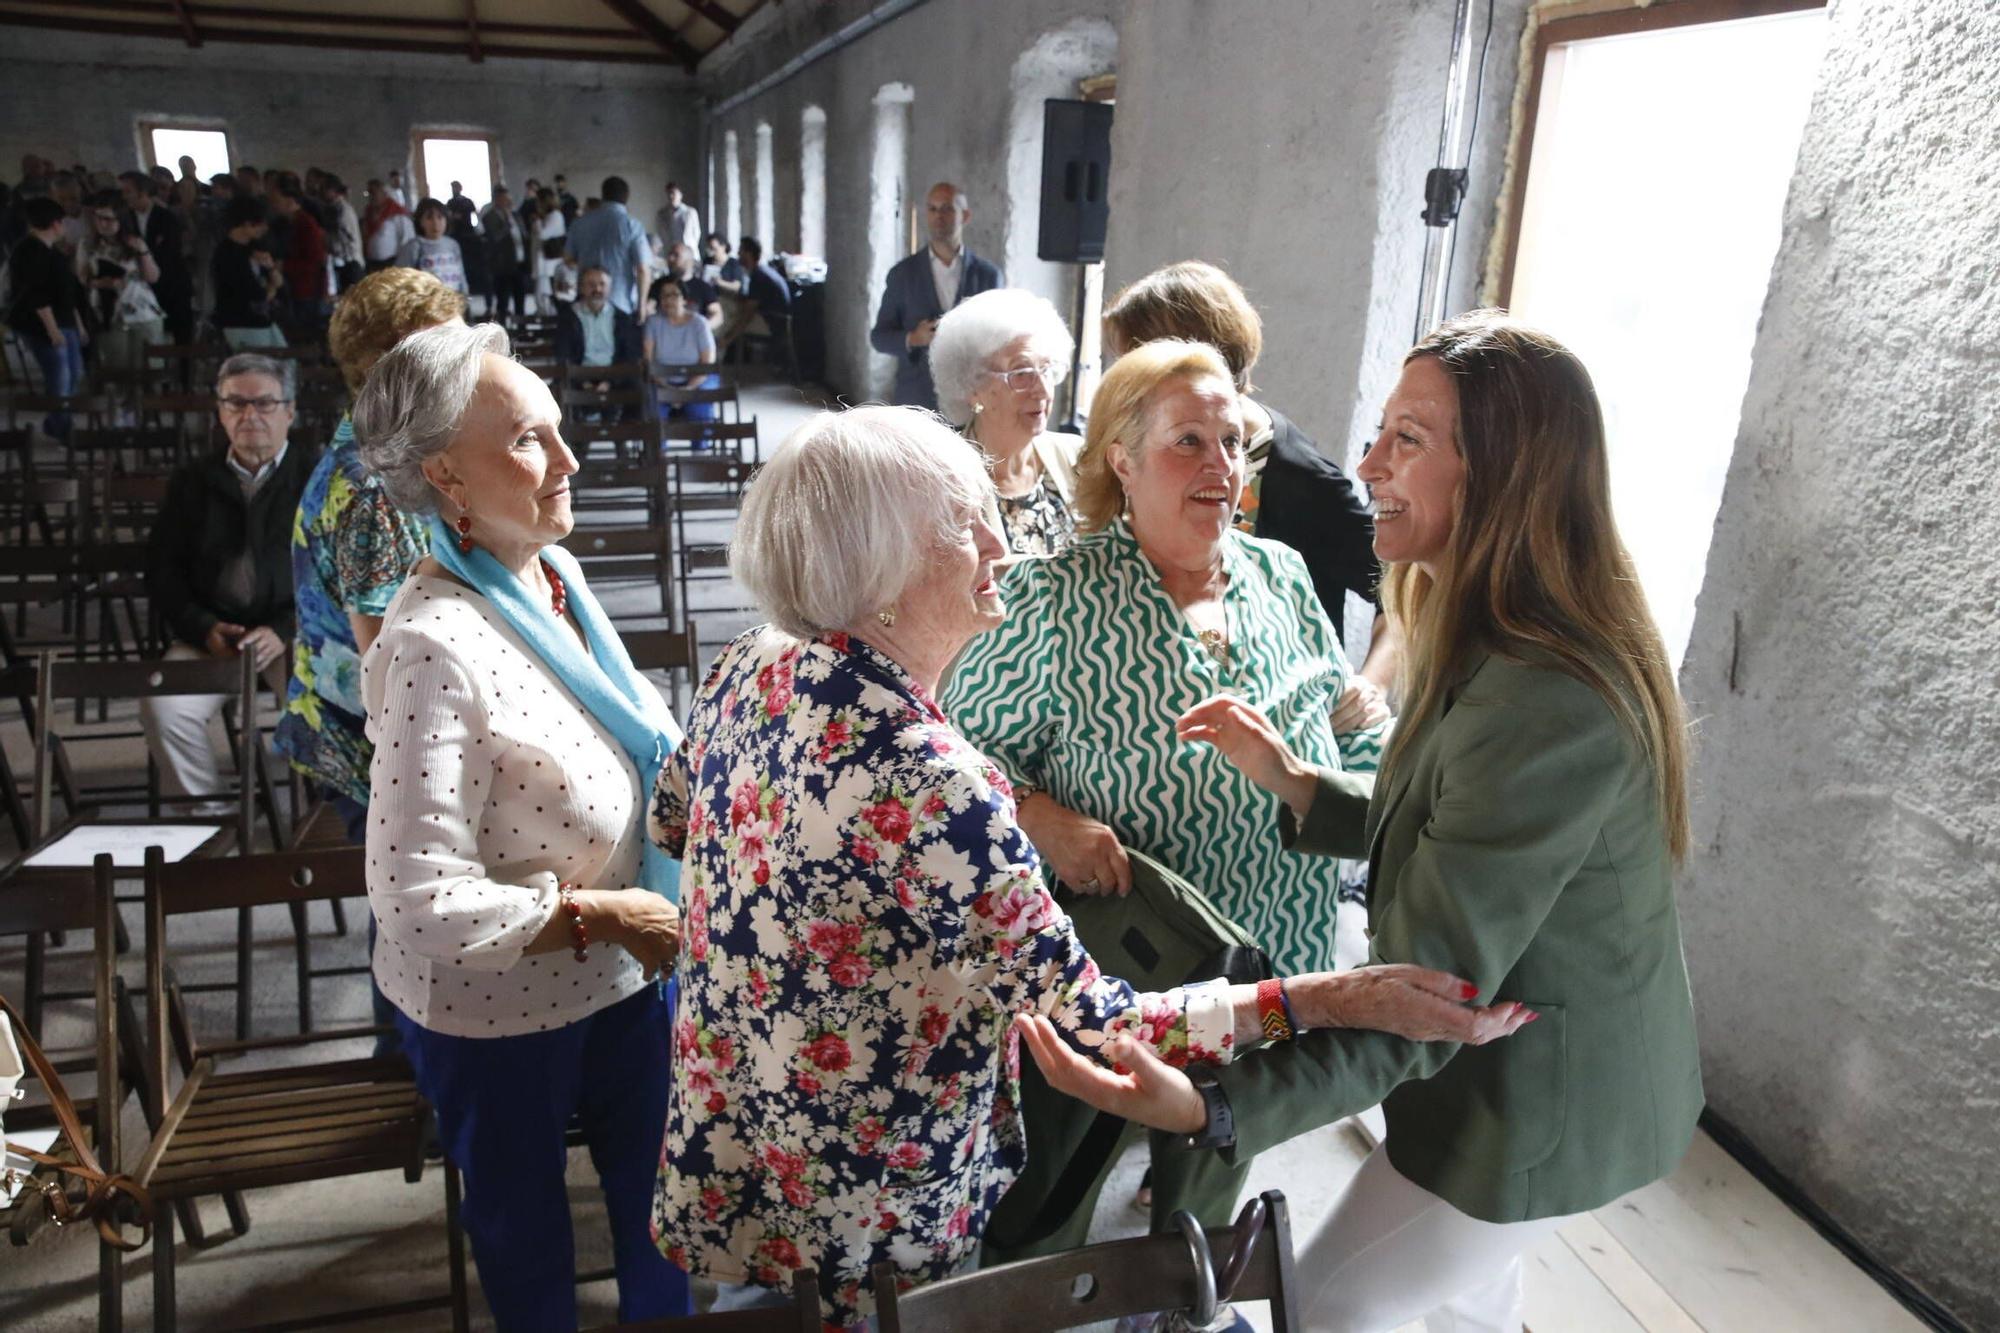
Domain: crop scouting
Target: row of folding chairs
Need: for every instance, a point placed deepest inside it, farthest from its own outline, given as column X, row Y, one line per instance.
column 215, row 1128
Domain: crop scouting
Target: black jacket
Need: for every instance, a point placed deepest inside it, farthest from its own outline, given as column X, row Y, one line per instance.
column 166, row 238
column 1306, row 501
column 626, row 345
column 204, row 524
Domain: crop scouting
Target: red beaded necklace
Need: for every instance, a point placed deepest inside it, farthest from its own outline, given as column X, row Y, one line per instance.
column 558, row 594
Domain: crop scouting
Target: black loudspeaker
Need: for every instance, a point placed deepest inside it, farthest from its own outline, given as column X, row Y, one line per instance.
column 1076, row 176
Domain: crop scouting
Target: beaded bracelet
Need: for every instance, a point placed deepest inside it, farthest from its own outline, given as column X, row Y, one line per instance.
column 1274, row 1011
column 579, row 934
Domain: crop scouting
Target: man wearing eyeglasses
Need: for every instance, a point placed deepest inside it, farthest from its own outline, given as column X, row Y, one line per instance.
column 218, row 567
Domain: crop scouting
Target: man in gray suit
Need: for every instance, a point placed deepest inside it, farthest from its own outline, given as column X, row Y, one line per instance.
column 923, row 287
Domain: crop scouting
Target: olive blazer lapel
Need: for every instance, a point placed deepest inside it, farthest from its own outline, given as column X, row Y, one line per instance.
column 1420, row 758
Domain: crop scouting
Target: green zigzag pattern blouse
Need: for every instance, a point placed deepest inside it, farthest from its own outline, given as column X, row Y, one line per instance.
column 1078, row 691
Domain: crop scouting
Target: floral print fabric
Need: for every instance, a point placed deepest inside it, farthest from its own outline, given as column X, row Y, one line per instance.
column 862, row 919
column 351, row 549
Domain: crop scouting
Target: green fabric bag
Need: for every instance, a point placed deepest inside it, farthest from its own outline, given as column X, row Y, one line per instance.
column 1164, row 933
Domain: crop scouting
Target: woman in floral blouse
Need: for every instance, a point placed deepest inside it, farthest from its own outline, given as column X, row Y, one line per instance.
column 864, row 916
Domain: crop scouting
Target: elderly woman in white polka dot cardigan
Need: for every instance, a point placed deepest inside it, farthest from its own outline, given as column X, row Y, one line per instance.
column 522, row 911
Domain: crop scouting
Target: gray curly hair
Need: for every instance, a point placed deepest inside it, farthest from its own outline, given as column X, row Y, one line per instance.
column 413, row 401
column 977, row 328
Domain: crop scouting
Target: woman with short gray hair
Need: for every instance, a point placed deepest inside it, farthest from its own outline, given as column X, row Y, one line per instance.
column 996, row 360
column 522, row 914
column 864, row 914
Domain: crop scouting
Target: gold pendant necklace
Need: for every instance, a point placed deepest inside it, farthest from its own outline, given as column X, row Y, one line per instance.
column 1215, row 643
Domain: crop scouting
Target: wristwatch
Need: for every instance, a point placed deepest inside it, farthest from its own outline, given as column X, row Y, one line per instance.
column 1220, row 1131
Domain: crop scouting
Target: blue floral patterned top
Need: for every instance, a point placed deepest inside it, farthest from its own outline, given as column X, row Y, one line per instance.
column 862, row 919
column 351, row 549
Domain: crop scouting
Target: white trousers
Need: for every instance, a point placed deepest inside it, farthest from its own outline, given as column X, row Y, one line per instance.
column 177, row 733
column 1391, row 1252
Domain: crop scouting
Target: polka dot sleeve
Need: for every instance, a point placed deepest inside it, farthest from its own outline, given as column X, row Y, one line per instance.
column 432, row 785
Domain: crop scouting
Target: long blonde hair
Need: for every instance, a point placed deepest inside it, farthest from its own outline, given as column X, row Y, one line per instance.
column 1534, row 564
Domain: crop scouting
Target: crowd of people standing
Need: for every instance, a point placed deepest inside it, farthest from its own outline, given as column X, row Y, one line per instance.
column 1017, row 692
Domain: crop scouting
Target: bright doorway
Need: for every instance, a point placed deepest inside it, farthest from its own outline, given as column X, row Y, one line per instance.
column 467, row 159
column 1657, row 165
column 209, row 148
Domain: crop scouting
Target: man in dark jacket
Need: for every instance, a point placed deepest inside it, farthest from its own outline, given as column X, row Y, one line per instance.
column 165, row 234
column 219, row 565
column 923, row 288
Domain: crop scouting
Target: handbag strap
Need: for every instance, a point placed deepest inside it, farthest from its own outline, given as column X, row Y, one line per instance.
column 101, row 1188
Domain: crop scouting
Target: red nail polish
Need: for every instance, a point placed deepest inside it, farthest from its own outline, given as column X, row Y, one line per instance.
column 1532, row 1016
column 1469, row 991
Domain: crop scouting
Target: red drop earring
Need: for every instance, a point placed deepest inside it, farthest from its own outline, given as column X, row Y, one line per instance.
column 465, row 534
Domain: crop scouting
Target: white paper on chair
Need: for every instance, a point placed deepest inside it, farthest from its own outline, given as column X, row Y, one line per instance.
column 127, row 843
column 38, row 1139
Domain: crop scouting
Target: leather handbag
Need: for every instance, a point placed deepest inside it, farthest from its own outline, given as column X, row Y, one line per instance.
column 80, row 1190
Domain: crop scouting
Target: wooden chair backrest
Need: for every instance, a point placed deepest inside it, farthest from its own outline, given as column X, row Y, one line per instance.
column 574, row 375
column 64, row 680
column 674, row 651
column 1103, row 1282
column 177, row 888
column 612, row 543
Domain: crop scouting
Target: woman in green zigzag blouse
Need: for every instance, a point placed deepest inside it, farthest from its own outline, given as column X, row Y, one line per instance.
column 1161, row 604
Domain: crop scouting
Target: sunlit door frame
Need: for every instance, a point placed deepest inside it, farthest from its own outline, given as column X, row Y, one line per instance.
column 1610, row 23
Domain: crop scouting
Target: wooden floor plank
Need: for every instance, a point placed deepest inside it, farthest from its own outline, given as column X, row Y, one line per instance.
column 1651, row 1305
column 1562, row 1295
column 1736, row 1258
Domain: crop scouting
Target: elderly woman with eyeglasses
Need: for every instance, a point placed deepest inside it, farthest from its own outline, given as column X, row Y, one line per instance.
column 996, row 361
column 864, row 913
column 522, row 913
column 1161, row 604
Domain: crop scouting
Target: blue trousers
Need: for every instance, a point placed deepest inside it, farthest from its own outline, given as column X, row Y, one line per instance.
column 502, row 1104
column 62, row 373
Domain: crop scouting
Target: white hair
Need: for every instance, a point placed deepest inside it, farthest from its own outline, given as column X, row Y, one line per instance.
column 413, row 401
column 850, row 511
column 977, row 328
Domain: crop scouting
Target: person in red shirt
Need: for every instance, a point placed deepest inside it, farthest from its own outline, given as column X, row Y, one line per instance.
column 305, row 255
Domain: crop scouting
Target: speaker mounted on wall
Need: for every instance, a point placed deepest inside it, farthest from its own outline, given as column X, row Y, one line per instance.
column 1076, row 176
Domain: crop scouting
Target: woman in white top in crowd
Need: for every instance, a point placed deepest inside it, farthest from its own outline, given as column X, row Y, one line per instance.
column 996, row 360
column 432, row 250
column 549, row 225
column 522, row 912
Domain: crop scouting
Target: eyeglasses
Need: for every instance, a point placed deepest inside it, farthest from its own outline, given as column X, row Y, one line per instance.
column 1023, row 378
column 263, row 407
column 104, row 217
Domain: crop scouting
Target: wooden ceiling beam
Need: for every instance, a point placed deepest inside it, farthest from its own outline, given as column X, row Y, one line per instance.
column 318, row 40
column 649, row 25
column 716, row 14
column 402, row 22
column 472, row 31
column 192, row 33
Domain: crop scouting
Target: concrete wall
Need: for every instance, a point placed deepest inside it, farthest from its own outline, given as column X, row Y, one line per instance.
column 1292, row 153
column 75, row 97
column 963, row 62
column 1843, row 903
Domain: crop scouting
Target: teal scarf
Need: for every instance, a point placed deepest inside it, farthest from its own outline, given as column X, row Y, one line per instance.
column 603, row 680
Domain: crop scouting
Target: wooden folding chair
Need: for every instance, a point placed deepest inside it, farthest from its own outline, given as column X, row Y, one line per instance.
column 610, row 485
column 719, row 439
column 676, row 652
column 612, row 553
column 1171, row 1271
column 55, row 907
column 801, row 1315
column 61, row 680
column 272, row 1125
column 85, row 899
column 703, row 486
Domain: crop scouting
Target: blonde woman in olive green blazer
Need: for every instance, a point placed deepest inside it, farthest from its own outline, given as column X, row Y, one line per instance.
column 1522, row 836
